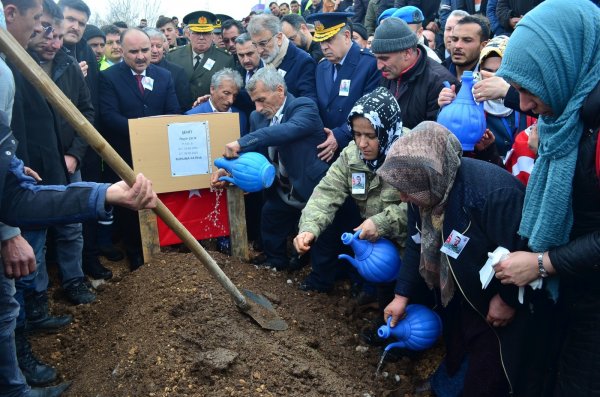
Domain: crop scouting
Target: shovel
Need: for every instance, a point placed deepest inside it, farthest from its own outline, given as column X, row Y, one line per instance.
column 256, row 306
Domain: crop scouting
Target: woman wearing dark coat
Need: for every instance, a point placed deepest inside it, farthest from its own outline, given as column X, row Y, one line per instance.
column 561, row 215
column 459, row 210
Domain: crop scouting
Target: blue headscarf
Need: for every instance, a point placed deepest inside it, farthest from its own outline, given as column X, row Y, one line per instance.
column 554, row 53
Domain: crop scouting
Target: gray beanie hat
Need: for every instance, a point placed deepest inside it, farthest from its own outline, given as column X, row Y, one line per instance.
column 393, row 35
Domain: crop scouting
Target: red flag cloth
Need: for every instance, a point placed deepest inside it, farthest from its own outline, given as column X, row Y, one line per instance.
column 520, row 159
column 202, row 212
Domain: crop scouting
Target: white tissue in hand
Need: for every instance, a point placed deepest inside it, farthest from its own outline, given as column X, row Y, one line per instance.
column 487, row 271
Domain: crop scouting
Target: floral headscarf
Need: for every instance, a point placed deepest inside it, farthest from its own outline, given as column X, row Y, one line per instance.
column 383, row 112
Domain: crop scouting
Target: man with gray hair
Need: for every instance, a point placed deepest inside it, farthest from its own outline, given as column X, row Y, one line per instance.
column 412, row 77
column 157, row 57
column 224, row 88
column 276, row 50
column 289, row 129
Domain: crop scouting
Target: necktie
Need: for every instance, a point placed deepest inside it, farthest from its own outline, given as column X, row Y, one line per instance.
column 138, row 77
column 336, row 69
column 197, row 61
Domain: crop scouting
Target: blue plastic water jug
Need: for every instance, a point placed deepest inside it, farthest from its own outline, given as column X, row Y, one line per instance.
column 419, row 330
column 464, row 117
column 377, row 262
column 251, row 172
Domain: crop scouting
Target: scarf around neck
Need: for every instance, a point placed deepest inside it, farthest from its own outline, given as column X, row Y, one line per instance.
column 423, row 165
column 383, row 112
column 561, row 72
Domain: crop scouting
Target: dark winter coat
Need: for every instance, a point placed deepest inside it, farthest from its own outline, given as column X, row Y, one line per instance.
column 484, row 204
column 417, row 90
column 67, row 75
column 507, row 9
column 578, row 265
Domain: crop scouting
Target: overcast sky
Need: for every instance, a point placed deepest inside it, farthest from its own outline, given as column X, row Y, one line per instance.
column 237, row 9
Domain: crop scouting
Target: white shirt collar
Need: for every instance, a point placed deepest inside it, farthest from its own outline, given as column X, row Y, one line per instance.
column 279, row 113
column 214, row 109
column 135, row 73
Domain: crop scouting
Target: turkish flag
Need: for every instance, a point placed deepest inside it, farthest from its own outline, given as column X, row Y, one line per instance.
column 202, row 212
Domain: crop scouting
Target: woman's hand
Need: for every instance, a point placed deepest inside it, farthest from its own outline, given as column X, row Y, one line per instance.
column 491, row 87
column 499, row 313
column 518, row 268
column 486, row 140
column 303, row 241
column 369, row 231
column 396, row 309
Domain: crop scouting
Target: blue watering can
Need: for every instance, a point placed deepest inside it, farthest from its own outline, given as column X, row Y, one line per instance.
column 464, row 117
column 251, row 172
column 419, row 330
column 377, row 262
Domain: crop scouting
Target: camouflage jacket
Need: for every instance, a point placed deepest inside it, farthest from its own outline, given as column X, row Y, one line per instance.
column 380, row 202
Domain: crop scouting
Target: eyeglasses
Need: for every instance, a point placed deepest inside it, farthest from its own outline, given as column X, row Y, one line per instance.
column 263, row 43
column 47, row 31
column 229, row 40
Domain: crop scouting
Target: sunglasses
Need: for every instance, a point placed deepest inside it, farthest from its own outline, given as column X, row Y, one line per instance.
column 47, row 31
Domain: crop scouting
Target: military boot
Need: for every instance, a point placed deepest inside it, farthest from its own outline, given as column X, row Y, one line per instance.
column 38, row 316
column 36, row 373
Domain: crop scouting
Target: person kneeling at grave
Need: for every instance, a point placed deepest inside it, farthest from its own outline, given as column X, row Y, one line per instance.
column 375, row 122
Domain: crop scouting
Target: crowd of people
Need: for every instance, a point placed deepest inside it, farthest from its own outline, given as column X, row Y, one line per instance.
column 342, row 97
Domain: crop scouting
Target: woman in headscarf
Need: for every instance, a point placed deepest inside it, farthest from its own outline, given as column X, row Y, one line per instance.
column 558, row 77
column 459, row 209
column 375, row 122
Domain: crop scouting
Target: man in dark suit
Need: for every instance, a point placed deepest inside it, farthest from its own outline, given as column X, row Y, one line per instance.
column 200, row 59
column 131, row 89
column 250, row 62
column 276, row 50
column 288, row 130
column 347, row 74
column 182, row 84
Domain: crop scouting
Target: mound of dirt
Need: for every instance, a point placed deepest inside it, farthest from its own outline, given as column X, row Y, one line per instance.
column 169, row 329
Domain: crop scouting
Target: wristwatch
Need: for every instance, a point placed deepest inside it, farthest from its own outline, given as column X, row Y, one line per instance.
column 541, row 271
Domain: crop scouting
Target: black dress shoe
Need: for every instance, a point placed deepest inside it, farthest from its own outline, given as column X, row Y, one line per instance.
column 111, row 253
column 94, row 269
column 51, row 391
column 135, row 261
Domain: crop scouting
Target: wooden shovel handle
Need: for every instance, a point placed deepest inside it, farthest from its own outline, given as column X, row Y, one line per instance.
column 36, row 76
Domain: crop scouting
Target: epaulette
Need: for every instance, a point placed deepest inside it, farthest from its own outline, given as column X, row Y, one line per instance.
column 366, row 51
column 171, row 49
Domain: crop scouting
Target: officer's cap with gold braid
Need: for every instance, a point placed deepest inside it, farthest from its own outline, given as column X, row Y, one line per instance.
column 219, row 21
column 200, row 21
column 328, row 24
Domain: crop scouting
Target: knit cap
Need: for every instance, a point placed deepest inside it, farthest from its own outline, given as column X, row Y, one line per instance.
column 92, row 31
column 393, row 35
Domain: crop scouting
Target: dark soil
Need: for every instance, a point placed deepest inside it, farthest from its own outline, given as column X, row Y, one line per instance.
column 169, row 329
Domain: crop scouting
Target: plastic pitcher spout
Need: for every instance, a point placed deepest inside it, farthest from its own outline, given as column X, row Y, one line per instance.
column 400, row 345
column 350, row 259
column 401, row 330
column 227, row 179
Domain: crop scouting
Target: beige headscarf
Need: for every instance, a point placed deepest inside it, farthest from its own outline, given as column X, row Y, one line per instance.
column 423, row 165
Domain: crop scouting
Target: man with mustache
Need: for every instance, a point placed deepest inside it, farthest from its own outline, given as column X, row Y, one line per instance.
column 200, row 59
column 131, row 89
column 295, row 28
column 276, row 50
column 469, row 36
column 113, row 53
column 412, row 77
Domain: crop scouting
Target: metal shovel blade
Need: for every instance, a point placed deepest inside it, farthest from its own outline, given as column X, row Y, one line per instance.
column 262, row 311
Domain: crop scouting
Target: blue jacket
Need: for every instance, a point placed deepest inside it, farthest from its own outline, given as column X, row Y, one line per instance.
column 121, row 100
column 298, row 68
column 206, row 108
column 296, row 138
column 24, row 203
column 360, row 68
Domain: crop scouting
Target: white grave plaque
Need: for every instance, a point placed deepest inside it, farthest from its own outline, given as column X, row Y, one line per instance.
column 189, row 148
